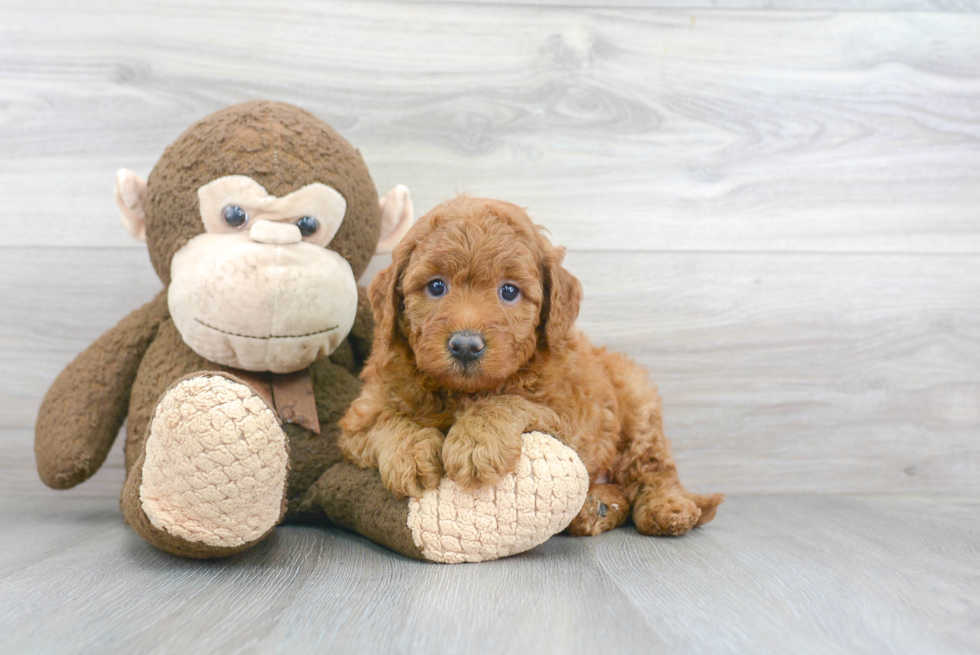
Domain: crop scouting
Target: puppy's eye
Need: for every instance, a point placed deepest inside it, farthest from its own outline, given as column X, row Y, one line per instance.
column 509, row 293
column 234, row 215
column 436, row 288
column 308, row 225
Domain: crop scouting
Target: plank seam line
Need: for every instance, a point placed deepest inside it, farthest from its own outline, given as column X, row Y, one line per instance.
column 704, row 8
column 600, row 251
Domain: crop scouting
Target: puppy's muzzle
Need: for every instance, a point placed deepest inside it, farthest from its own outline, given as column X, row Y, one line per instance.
column 466, row 347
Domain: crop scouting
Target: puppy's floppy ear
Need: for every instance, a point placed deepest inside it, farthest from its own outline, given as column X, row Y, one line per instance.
column 562, row 299
column 386, row 295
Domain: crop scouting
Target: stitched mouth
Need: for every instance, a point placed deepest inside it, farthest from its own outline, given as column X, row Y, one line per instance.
column 271, row 336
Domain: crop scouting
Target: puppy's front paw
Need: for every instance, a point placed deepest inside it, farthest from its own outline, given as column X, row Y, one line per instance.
column 476, row 458
column 414, row 466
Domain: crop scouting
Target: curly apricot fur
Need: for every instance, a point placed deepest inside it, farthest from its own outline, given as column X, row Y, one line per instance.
column 537, row 373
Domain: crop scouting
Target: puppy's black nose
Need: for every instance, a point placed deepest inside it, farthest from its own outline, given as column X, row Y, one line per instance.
column 466, row 346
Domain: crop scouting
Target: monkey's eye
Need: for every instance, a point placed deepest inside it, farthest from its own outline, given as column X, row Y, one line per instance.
column 436, row 288
column 307, row 225
column 234, row 215
column 509, row 293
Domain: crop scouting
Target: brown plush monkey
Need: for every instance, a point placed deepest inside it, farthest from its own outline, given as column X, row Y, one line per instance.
column 259, row 219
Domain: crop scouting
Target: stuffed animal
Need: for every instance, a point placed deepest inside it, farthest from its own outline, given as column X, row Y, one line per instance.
column 259, row 219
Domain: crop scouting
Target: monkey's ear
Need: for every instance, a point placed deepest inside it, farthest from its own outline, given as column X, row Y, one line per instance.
column 131, row 198
column 397, row 215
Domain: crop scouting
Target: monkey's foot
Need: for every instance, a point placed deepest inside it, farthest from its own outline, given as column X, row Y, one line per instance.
column 449, row 525
column 212, row 477
column 518, row 513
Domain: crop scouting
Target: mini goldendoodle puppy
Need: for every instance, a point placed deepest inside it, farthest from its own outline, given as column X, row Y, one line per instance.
column 475, row 344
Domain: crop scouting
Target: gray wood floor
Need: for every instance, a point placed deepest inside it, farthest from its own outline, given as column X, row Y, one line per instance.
column 774, row 205
column 772, row 575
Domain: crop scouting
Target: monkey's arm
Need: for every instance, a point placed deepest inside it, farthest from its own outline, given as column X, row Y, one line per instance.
column 361, row 336
column 87, row 404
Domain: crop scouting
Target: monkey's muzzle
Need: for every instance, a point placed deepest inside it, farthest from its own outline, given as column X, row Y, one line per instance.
column 261, row 306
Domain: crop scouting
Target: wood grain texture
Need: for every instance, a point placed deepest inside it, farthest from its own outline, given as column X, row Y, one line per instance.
column 779, row 372
column 720, row 130
column 772, row 204
column 777, row 212
column 770, row 575
column 779, row 5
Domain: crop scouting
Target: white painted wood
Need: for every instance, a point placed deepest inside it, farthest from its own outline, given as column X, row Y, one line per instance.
column 620, row 128
column 779, row 5
column 780, row 373
column 775, row 211
column 771, row 575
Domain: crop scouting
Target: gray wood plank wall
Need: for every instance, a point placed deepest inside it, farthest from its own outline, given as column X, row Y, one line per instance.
column 776, row 211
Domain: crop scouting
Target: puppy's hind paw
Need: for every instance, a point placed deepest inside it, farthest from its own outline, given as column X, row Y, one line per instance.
column 664, row 515
column 605, row 508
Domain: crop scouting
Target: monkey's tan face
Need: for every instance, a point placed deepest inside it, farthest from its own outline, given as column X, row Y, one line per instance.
column 258, row 290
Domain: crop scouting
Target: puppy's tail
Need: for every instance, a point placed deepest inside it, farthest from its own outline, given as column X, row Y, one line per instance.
column 708, row 505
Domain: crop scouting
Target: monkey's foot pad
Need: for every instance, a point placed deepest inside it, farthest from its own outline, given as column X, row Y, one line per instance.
column 522, row 511
column 216, row 463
